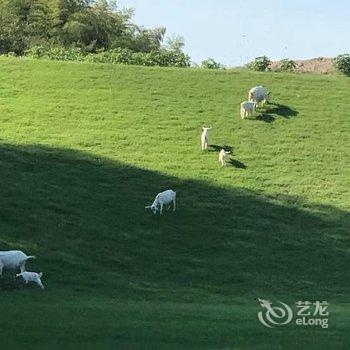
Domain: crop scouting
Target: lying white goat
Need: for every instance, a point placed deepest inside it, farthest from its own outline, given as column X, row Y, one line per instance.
column 247, row 108
column 205, row 138
column 13, row 259
column 162, row 198
column 31, row 277
column 222, row 157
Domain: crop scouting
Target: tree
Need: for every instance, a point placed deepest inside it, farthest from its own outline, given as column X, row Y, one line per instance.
column 146, row 40
column 42, row 17
column 175, row 43
column 12, row 34
column 24, row 22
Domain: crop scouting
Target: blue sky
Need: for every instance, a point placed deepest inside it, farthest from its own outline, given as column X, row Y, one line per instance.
column 236, row 31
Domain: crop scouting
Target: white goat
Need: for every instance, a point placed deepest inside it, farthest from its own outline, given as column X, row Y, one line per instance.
column 222, row 156
column 162, row 198
column 31, row 277
column 13, row 259
column 258, row 94
column 205, row 138
column 247, row 108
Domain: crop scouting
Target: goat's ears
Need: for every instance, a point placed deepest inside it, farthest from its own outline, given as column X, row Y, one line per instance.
column 147, row 207
column 269, row 92
column 40, row 274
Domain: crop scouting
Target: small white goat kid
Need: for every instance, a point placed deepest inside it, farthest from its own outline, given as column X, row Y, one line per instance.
column 247, row 108
column 222, row 157
column 31, row 277
column 13, row 259
column 166, row 197
column 205, row 138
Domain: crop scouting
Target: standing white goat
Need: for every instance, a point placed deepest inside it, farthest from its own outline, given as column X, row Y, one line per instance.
column 247, row 108
column 222, row 156
column 13, row 259
column 205, row 138
column 31, row 277
column 162, row 198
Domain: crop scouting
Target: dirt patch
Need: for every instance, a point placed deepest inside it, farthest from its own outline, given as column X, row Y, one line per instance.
column 321, row 65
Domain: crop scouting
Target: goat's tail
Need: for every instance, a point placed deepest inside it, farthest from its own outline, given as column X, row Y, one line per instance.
column 31, row 257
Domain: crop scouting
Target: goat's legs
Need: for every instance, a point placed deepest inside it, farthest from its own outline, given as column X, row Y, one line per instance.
column 23, row 266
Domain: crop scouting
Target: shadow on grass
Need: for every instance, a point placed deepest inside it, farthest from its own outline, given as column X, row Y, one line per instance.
column 273, row 110
column 237, row 164
column 218, row 148
column 267, row 118
column 280, row 110
column 84, row 219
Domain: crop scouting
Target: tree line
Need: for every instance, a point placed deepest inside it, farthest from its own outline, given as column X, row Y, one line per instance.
column 87, row 25
column 98, row 31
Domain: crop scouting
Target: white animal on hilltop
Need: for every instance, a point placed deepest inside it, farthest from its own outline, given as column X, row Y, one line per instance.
column 247, row 108
column 166, row 197
column 13, row 259
column 205, row 138
column 31, row 277
column 258, row 94
column 222, row 157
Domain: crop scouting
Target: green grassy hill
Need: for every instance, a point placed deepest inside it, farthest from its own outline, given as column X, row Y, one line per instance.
column 84, row 148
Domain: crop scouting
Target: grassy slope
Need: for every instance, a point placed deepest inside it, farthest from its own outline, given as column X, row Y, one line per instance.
column 85, row 147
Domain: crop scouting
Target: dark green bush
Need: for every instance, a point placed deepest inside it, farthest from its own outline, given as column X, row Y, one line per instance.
column 210, row 63
column 342, row 63
column 286, row 65
column 261, row 64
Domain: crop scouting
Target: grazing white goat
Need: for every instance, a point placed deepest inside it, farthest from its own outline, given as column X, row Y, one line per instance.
column 31, row 277
column 247, row 108
column 258, row 94
column 205, row 138
column 13, row 259
column 222, row 157
column 162, row 198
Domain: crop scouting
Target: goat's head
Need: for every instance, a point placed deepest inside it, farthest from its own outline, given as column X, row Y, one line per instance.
column 153, row 208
